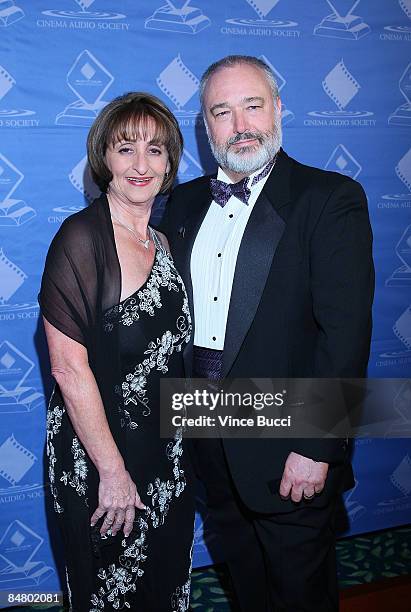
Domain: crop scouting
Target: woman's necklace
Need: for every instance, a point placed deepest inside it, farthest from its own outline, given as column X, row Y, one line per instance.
column 145, row 243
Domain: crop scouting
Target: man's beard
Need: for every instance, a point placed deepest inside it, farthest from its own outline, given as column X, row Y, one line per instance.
column 247, row 159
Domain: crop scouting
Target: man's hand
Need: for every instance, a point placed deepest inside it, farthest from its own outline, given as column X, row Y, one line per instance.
column 302, row 477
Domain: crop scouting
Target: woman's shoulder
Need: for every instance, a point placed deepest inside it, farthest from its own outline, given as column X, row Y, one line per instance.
column 81, row 225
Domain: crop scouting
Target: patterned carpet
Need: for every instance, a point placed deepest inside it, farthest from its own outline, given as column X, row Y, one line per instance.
column 363, row 559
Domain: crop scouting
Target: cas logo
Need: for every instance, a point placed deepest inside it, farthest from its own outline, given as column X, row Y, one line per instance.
column 353, row 507
column 286, row 115
column 19, row 548
column 401, row 277
column 179, row 84
column 262, row 24
column 401, row 428
column 402, row 115
column 89, row 80
column 400, row 479
column 8, row 116
column 341, row 87
column 13, row 212
column 15, row 394
column 9, row 13
column 342, row 161
column 189, row 168
column 12, row 277
column 399, row 32
column 16, row 462
column 178, row 16
column 402, row 330
column 81, row 179
column 78, row 16
column 342, row 23
column 403, row 172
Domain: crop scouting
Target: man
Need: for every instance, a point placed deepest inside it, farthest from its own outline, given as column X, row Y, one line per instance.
column 276, row 258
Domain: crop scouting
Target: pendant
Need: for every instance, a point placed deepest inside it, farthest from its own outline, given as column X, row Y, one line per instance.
column 145, row 242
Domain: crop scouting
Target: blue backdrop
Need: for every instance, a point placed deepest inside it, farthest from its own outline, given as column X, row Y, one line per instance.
column 344, row 71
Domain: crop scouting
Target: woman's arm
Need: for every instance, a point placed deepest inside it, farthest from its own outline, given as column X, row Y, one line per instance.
column 118, row 495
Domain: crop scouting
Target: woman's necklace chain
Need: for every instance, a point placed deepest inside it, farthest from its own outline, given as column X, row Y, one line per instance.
column 145, row 243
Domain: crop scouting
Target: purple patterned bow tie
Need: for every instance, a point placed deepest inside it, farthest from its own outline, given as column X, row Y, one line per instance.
column 222, row 191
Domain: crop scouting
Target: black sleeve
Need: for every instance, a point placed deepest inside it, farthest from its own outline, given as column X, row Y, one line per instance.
column 68, row 291
column 342, row 285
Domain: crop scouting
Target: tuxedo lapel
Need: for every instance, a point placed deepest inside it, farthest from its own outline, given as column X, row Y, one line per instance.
column 261, row 237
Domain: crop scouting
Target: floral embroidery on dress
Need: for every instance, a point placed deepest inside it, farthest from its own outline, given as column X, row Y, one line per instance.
column 162, row 491
column 54, row 417
column 118, row 580
column 180, row 599
column 158, row 351
column 79, row 478
column 147, row 298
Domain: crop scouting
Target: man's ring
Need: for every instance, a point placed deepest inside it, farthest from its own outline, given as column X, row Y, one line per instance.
column 309, row 496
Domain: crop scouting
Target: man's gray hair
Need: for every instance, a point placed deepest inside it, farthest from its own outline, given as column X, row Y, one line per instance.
column 234, row 60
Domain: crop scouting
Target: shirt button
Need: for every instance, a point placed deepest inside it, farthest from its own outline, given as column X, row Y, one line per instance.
column 215, row 299
column 214, row 338
column 218, row 254
column 231, row 216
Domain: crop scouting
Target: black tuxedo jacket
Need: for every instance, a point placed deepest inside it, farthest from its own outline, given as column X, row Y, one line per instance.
column 300, row 305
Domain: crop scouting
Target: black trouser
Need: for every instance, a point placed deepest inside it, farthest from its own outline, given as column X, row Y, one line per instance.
column 282, row 562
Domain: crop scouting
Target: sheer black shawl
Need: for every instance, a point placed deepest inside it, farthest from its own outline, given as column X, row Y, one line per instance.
column 81, row 280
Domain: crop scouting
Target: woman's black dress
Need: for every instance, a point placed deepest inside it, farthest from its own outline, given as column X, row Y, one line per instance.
column 150, row 569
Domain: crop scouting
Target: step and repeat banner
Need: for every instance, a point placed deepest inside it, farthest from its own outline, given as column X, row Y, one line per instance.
column 344, row 72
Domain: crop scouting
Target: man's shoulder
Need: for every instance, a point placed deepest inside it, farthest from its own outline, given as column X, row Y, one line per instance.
column 320, row 179
column 200, row 183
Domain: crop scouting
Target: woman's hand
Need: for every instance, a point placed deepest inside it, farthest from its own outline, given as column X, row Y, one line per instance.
column 117, row 499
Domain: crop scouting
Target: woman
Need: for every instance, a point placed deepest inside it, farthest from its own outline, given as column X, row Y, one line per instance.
column 116, row 318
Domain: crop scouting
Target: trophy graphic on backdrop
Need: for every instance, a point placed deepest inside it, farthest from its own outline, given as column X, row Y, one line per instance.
column 7, row 82
column 83, row 13
column 353, row 507
column 402, row 115
column 263, row 8
column 18, row 570
column 12, row 278
column 401, row 277
column 343, row 162
column 12, row 212
column 286, row 114
column 401, row 480
column 402, row 406
column 402, row 330
column 14, row 370
column 9, row 13
column 341, row 87
column 341, row 23
column 403, row 171
column 402, row 29
column 15, row 462
column 89, row 80
column 178, row 16
column 189, row 168
column 81, row 179
column 178, row 83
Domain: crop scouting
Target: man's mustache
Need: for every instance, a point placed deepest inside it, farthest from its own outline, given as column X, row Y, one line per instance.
column 246, row 136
